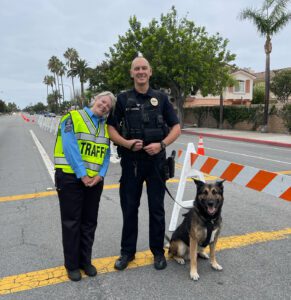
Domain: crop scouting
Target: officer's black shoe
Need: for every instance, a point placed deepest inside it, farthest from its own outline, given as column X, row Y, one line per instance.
column 122, row 262
column 74, row 275
column 89, row 270
column 160, row 262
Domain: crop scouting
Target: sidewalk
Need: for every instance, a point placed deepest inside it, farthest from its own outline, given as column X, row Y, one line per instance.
column 281, row 140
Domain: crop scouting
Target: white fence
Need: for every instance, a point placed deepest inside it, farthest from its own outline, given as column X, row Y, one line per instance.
column 49, row 124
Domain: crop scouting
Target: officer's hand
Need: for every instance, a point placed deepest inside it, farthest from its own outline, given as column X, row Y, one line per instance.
column 135, row 145
column 153, row 148
column 86, row 180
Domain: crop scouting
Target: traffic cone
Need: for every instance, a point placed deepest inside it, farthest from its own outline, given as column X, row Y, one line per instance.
column 200, row 148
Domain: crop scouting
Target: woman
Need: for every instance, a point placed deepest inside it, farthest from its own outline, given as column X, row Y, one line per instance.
column 81, row 156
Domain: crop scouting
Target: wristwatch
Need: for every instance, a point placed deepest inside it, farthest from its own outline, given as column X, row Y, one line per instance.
column 163, row 145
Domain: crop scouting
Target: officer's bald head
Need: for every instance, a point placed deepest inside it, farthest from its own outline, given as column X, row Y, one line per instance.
column 141, row 72
column 140, row 60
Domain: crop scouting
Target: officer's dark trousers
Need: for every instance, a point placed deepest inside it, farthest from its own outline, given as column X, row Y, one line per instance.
column 79, row 210
column 134, row 173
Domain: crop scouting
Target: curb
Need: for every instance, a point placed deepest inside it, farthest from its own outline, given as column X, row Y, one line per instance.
column 248, row 140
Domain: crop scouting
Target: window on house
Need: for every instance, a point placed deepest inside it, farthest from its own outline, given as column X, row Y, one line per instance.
column 239, row 86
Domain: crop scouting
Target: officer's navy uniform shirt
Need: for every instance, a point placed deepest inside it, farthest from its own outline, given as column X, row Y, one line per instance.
column 166, row 107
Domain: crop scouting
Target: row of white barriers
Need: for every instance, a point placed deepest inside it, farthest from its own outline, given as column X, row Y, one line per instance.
column 49, row 124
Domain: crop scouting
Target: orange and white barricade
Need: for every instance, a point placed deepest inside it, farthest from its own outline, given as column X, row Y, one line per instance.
column 274, row 184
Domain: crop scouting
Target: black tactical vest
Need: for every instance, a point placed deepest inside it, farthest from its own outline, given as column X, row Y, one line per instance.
column 144, row 120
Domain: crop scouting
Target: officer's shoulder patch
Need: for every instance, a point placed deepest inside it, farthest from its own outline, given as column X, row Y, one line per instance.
column 68, row 124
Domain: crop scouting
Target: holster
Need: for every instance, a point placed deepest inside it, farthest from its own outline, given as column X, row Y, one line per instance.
column 170, row 166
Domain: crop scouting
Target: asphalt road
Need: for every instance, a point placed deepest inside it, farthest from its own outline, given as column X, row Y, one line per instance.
column 30, row 235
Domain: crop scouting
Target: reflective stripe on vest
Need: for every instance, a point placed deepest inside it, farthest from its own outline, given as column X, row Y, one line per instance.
column 91, row 166
column 89, row 137
column 90, row 126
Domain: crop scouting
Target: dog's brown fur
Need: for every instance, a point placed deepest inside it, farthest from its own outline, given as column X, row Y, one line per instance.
column 190, row 237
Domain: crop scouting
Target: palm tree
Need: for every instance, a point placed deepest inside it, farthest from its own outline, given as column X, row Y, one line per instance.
column 45, row 81
column 61, row 72
column 49, row 81
column 268, row 20
column 71, row 55
column 54, row 66
column 80, row 68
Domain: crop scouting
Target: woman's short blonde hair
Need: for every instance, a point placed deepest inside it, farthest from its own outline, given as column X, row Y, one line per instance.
column 106, row 93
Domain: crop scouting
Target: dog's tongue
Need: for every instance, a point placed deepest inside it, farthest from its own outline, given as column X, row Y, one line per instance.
column 211, row 210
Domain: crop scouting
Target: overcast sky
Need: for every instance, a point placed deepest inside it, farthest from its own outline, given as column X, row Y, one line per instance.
column 31, row 31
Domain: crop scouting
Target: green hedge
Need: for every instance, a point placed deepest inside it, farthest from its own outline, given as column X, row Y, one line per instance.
column 285, row 113
column 231, row 114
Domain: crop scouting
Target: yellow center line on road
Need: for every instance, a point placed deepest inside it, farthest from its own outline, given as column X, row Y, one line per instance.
column 54, row 193
column 36, row 279
column 284, row 172
column 44, row 194
column 27, row 196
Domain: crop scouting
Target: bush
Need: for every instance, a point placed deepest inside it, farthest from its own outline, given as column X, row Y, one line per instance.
column 286, row 116
column 235, row 114
column 259, row 94
column 215, row 112
column 281, row 85
column 200, row 114
column 256, row 116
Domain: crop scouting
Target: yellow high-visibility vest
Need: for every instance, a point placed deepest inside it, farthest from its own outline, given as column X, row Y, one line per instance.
column 93, row 143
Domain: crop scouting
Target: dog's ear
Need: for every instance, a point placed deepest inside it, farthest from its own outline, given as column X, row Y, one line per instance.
column 220, row 183
column 198, row 183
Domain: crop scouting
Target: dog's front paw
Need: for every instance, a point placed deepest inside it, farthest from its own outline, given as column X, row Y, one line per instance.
column 180, row 260
column 216, row 266
column 194, row 276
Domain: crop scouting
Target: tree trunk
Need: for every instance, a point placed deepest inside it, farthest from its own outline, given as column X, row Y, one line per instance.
column 268, row 50
column 180, row 109
column 59, row 91
column 82, row 94
column 73, row 87
column 221, row 111
column 179, row 97
column 55, row 83
column 63, row 89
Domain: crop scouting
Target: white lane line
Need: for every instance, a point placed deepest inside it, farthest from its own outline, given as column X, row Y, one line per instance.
column 246, row 155
column 249, row 144
column 48, row 163
column 252, row 156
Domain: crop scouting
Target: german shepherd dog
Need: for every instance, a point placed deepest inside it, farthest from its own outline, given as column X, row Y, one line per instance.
column 200, row 227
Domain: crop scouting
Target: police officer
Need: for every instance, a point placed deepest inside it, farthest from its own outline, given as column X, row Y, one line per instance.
column 143, row 124
column 81, row 158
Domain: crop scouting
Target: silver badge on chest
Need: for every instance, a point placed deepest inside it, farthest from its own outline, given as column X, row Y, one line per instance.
column 154, row 101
